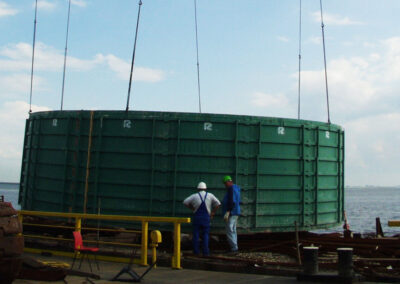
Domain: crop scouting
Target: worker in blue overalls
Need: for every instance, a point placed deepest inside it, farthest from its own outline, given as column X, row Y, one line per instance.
column 204, row 205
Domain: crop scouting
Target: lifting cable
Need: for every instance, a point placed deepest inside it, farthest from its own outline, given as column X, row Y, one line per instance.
column 197, row 53
column 65, row 56
column 298, row 104
column 33, row 56
column 326, row 74
column 133, row 56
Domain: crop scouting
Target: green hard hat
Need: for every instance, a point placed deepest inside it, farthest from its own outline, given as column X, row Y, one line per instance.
column 226, row 178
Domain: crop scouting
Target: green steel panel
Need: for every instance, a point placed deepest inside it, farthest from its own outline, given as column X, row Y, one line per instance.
column 146, row 163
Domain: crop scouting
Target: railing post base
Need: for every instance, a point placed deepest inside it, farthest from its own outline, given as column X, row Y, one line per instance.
column 176, row 259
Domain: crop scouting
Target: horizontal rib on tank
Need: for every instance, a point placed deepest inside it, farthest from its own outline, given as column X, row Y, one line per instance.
column 147, row 163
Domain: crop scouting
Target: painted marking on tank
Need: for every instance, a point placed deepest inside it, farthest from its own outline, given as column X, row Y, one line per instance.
column 327, row 134
column 281, row 130
column 127, row 123
column 207, row 126
column 55, row 121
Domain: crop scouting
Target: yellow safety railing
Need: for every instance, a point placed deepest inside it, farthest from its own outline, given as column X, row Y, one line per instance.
column 394, row 223
column 78, row 217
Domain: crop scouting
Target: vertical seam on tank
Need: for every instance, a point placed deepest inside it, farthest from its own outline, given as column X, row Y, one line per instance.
column 26, row 182
column 175, row 166
column 343, row 177
column 258, row 171
column 31, row 199
column 339, row 177
column 303, row 176
column 152, row 168
column 25, row 163
column 316, row 178
column 21, row 179
column 77, row 164
column 97, row 168
column 65, row 164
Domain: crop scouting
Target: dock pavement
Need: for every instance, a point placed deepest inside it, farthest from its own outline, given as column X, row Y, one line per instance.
column 158, row 275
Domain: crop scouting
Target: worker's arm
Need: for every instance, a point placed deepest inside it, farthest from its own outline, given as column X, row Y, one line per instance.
column 190, row 206
column 214, row 211
column 188, row 203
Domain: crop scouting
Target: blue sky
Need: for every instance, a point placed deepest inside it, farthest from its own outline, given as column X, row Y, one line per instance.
column 248, row 64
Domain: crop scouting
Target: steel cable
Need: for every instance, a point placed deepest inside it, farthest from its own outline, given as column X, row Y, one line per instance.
column 33, row 57
column 197, row 53
column 298, row 104
column 133, row 56
column 65, row 57
column 326, row 73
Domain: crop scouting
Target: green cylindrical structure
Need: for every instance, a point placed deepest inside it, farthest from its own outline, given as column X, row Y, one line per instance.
column 146, row 163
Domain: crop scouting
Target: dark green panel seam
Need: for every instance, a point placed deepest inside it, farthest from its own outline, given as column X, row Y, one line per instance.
column 97, row 200
column 65, row 164
column 152, row 168
column 176, row 167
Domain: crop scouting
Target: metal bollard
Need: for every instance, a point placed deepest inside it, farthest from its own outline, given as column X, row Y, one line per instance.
column 310, row 264
column 345, row 262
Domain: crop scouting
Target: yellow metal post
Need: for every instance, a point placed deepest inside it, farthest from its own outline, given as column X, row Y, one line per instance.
column 20, row 219
column 154, row 254
column 156, row 238
column 394, row 223
column 78, row 224
column 145, row 236
column 176, row 259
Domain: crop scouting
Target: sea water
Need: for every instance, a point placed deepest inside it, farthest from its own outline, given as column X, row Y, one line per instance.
column 10, row 193
column 363, row 205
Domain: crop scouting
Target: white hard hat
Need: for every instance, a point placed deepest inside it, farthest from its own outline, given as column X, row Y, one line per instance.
column 202, row 185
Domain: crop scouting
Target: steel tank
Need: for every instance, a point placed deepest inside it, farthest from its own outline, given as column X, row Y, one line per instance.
column 146, row 163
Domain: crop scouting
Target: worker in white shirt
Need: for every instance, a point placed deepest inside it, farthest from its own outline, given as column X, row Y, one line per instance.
column 204, row 205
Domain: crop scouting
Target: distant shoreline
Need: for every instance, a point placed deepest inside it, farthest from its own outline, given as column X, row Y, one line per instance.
column 9, row 186
column 9, row 183
column 346, row 187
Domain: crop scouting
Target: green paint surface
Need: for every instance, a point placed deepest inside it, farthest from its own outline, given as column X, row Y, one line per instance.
column 146, row 163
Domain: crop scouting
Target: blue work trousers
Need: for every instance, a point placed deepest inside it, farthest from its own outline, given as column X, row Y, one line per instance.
column 202, row 229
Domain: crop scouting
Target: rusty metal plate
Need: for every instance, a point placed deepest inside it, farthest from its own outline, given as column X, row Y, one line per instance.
column 9, row 269
column 6, row 209
column 10, row 225
column 11, row 245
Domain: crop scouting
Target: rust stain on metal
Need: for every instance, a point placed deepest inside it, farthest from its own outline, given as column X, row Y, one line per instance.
column 11, row 243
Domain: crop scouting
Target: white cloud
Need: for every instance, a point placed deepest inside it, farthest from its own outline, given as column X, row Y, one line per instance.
column 269, row 100
column 272, row 104
column 122, row 69
column 45, row 5
column 283, row 38
column 334, row 20
column 79, row 3
column 17, row 57
column 315, row 40
column 14, row 114
column 369, row 44
column 364, row 99
column 357, row 85
column 373, row 153
column 6, row 10
column 13, row 85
